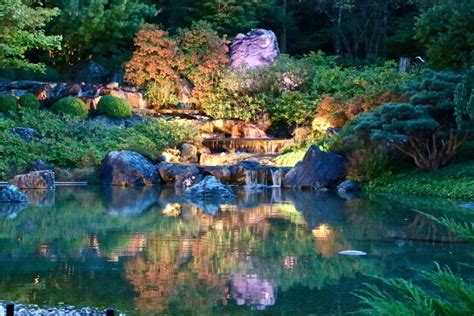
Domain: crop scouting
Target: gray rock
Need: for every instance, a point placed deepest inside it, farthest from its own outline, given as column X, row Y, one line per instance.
column 210, row 187
column 318, row 170
column 180, row 175
column 128, row 168
column 349, row 186
column 189, row 153
column 44, row 179
column 257, row 48
column 25, row 133
column 11, row 194
column 90, row 72
column 39, row 165
column 209, row 195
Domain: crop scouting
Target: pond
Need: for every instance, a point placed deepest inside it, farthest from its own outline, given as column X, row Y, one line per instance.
column 148, row 251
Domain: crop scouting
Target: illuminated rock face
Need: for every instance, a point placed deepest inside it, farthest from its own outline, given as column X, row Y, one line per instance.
column 257, row 48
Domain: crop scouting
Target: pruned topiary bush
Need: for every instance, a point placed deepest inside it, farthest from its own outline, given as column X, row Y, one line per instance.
column 29, row 100
column 8, row 103
column 114, row 107
column 71, row 106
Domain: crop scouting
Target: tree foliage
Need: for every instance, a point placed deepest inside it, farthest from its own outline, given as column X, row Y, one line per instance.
column 447, row 32
column 101, row 30
column 22, row 32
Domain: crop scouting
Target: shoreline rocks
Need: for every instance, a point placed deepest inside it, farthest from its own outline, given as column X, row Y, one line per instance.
column 44, row 179
column 317, row 170
column 128, row 168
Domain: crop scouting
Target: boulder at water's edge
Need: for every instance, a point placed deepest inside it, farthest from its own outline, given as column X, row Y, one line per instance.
column 317, row 170
column 43, row 179
column 128, row 168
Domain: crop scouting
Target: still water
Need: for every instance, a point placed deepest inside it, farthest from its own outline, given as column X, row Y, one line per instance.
column 149, row 251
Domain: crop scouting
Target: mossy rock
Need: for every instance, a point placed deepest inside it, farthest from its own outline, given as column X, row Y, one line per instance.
column 71, row 106
column 114, row 107
column 29, row 101
column 8, row 103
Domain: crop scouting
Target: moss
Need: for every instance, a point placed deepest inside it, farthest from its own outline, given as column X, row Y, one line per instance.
column 71, row 106
column 454, row 182
column 114, row 107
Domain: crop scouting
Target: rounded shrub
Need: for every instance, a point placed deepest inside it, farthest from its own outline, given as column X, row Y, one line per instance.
column 29, row 101
column 8, row 103
column 114, row 107
column 71, row 106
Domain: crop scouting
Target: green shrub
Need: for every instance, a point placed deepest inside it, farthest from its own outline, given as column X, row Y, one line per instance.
column 71, row 106
column 71, row 143
column 29, row 100
column 114, row 107
column 293, row 108
column 8, row 103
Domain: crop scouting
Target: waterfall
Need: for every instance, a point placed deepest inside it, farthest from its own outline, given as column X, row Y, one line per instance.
column 251, row 178
column 277, row 177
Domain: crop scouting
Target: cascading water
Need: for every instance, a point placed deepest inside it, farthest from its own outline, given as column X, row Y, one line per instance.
column 277, row 177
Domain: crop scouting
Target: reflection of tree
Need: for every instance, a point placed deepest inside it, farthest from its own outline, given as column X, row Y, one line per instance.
column 270, row 241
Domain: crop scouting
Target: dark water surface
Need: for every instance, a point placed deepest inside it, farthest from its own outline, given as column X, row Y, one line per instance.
column 149, row 251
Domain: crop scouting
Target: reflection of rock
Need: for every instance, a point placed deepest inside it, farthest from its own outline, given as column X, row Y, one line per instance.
column 249, row 290
column 182, row 176
column 128, row 202
column 43, row 179
column 128, row 168
column 11, row 194
column 257, row 48
column 317, row 170
column 40, row 198
column 11, row 210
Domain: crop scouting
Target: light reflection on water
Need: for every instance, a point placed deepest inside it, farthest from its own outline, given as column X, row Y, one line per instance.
column 150, row 250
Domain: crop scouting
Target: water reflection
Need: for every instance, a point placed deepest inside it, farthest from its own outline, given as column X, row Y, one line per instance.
column 149, row 250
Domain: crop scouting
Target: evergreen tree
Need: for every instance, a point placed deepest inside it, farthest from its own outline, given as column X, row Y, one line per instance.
column 22, row 31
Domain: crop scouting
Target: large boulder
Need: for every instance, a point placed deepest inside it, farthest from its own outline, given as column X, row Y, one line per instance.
column 128, row 168
column 180, row 175
column 43, row 179
column 257, row 48
column 318, row 170
column 189, row 153
column 11, row 194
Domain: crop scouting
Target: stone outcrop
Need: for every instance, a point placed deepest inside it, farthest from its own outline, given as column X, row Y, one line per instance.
column 44, row 179
column 257, row 48
column 128, row 168
column 11, row 194
column 317, row 170
column 179, row 175
column 210, row 187
column 349, row 186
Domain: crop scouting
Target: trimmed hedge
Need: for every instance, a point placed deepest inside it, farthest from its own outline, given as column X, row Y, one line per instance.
column 114, row 107
column 29, row 101
column 8, row 103
column 71, row 106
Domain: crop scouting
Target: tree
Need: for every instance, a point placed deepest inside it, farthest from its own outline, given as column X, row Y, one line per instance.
column 447, row 32
column 101, row 30
column 22, row 31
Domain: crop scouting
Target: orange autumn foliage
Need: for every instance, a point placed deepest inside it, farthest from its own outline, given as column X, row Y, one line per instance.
column 197, row 55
